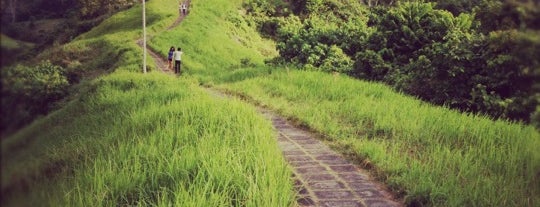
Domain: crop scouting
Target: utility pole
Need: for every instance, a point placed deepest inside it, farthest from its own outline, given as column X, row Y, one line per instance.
column 144, row 34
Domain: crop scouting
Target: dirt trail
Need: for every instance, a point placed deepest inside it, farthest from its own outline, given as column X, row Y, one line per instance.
column 322, row 176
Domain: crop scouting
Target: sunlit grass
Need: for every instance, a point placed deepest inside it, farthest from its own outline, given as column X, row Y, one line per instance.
column 145, row 140
column 214, row 38
column 432, row 155
column 150, row 140
column 132, row 139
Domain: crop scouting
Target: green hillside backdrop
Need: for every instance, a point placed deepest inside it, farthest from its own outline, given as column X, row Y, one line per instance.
column 437, row 100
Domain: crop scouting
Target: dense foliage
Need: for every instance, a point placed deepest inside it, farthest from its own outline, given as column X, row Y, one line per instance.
column 477, row 56
column 30, row 91
column 37, row 76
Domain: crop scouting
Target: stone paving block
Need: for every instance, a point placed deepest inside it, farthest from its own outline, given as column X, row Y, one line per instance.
column 294, row 152
column 328, row 157
column 302, row 190
column 359, row 185
column 344, row 168
column 351, row 176
column 327, row 185
column 305, row 201
column 320, row 152
column 296, row 181
column 292, row 131
column 289, row 147
column 380, row 203
column 333, row 195
column 335, row 162
column 312, row 146
column 301, row 137
column 282, row 138
column 304, row 164
column 298, row 158
column 370, row 193
column 306, row 141
column 318, row 177
column 310, row 169
column 341, row 203
column 286, row 144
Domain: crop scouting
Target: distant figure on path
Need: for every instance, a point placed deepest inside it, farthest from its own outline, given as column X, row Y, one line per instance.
column 170, row 57
column 183, row 8
column 177, row 60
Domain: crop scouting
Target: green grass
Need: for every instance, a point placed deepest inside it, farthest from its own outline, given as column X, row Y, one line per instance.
column 145, row 140
column 430, row 155
column 156, row 140
column 215, row 37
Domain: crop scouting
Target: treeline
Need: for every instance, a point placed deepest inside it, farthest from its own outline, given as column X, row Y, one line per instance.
column 478, row 56
column 21, row 19
column 18, row 10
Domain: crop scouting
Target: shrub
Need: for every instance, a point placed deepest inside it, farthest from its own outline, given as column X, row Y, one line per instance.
column 507, row 86
column 30, row 91
column 323, row 40
column 336, row 61
column 440, row 58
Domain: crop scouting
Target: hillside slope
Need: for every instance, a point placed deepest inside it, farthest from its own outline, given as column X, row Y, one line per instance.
column 430, row 155
column 171, row 134
column 142, row 139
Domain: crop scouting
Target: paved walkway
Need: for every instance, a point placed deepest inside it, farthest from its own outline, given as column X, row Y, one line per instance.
column 322, row 177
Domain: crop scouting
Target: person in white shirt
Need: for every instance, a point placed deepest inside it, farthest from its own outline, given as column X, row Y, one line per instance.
column 177, row 55
column 183, row 8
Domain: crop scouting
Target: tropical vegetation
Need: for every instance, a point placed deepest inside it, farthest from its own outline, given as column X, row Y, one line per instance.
column 432, row 98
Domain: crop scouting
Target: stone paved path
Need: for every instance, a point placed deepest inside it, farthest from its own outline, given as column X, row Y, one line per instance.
column 323, row 177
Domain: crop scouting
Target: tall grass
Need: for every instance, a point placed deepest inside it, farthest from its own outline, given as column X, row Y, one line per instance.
column 215, row 37
column 148, row 140
column 145, row 140
column 431, row 155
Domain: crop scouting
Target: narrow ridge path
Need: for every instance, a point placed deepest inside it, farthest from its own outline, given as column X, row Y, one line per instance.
column 322, row 177
column 161, row 62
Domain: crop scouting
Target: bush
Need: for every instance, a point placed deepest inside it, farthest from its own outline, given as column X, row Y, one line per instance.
column 323, row 40
column 507, row 86
column 485, row 63
column 336, row 61
column 30, row 91
column 440, row 58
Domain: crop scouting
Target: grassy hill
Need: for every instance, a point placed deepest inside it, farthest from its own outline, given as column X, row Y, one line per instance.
column 135, row 139
column 429, row 155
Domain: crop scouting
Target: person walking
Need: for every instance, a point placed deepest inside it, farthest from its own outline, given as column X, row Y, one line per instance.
column 177, row 60
column 170, row 57
column 184, row 8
